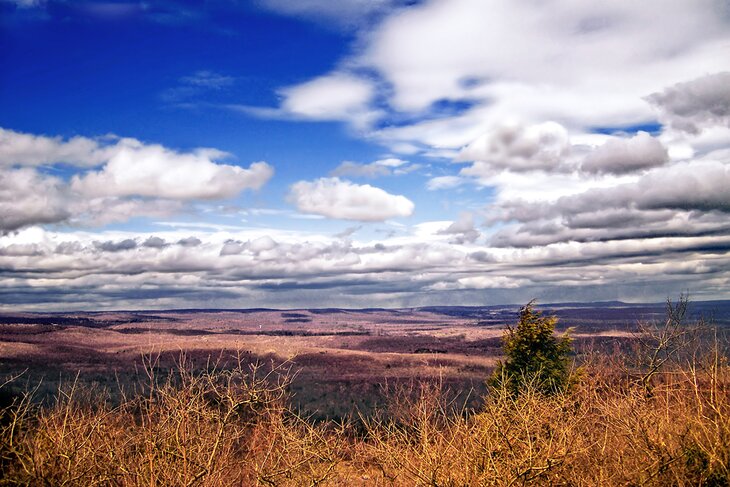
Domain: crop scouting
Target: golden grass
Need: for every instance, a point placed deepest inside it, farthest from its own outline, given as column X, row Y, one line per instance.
column 233, row 426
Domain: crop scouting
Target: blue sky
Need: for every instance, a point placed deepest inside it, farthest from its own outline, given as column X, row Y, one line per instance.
column 362, row 153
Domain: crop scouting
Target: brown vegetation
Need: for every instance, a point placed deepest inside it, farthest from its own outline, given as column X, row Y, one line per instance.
column 660, row 416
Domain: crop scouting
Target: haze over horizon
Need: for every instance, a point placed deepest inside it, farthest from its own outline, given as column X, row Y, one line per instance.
column 389, row 153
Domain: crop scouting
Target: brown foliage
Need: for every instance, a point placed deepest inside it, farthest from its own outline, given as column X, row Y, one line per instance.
column 232, row 426
column 216, row 427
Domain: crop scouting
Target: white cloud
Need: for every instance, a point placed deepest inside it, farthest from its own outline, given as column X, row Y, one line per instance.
column 134, row 179
column 29, row 198
column 516, row 147
column 22, row 149
column 582, row 64
column 489, row 282
column 620, row 156
column 131, row 167
column 618, row 48
column 444, row 182
column 156, row 171
column 390, row 162
column 336, row 96
column 335, row 198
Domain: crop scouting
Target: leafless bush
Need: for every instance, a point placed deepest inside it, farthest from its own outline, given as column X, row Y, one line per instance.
column 215, row 427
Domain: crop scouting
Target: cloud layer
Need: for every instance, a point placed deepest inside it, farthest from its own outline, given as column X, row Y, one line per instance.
column 425, row 266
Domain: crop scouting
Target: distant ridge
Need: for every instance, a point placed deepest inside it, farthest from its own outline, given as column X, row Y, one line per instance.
column 447, row 309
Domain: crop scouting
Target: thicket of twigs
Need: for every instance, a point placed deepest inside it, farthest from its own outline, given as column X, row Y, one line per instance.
column 657, row 416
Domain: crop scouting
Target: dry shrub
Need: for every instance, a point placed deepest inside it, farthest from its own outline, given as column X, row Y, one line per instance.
column 605, row 431
column 510, row 441
column 215, row 427
column 233, row 426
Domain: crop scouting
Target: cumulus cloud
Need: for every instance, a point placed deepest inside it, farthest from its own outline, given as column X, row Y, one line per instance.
column 517, row 148
column 22, row 149
column 696, row 104
column 699, row 185
column 261, row 244
column 30, row 198
column 132, row 179
column 686, row 198
column 462, row 229
column 336, row 198
column 189, row 242
column 131, row 167
column 232, row 247
column 155, row 171
column 111, row 246
column 621, row 156
column 155, row 242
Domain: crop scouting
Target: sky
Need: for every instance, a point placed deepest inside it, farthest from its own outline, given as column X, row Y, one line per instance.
column 362, row 153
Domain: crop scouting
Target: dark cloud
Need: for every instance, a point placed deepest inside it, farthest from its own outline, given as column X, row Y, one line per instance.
column 482, row 256
column 462, row 229
column 622, row 156
column 667, row 200
column 155, row 243
column 189, row 242
column 588, row 228
column 696, row 104
column 69, row 248
column 110, row 246
column 25, row 250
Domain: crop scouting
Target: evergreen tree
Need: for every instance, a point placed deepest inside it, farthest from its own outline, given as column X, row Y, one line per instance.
column 534, row 355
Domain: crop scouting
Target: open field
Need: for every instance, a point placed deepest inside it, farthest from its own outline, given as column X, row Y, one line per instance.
column 341, row 358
